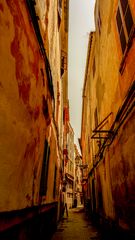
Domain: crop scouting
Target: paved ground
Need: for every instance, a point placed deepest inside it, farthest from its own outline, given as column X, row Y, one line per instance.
column 76, row 226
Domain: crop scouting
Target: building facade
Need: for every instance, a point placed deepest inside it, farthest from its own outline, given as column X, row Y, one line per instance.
column 65, row 102
column 70, row 168
column 107, row 137
column 33, row 95
column 78, row 195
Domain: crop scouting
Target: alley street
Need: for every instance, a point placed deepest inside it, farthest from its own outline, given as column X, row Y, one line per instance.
column 67, row 120
column 77, row 226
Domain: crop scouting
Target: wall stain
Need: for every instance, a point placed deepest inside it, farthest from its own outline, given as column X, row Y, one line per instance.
column 34, row 112
column 23, row 78
column 1, row 7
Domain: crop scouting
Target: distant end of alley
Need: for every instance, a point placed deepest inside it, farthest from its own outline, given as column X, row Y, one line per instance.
column 43, row 173
column 78, row 225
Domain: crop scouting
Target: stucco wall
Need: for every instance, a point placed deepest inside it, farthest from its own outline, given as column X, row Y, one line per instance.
column 114, row 174
column 110, row 88
column 23, row 127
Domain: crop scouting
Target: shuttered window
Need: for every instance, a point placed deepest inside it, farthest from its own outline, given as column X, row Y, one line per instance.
column 54, row 185
column 96, row 117
column 44, row 173
column 125, row 23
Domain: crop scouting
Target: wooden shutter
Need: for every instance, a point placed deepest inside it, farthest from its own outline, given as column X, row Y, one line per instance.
column 44, row 173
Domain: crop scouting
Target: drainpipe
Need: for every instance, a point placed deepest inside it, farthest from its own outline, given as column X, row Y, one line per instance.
column 31, row 8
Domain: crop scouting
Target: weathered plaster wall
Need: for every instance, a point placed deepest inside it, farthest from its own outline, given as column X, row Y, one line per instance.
column 23, row 127
column 122, row 166
column 114, row 175
column 47, row 12
column 117, row 169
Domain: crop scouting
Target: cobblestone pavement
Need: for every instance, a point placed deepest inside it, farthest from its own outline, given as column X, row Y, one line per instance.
column 76, row 226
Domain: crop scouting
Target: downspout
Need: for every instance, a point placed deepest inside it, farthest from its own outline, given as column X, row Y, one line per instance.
column 34, row 18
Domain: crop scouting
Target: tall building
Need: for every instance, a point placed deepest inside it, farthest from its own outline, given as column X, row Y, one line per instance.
column 107, row 136
column 70, row 168
column 78, row 195
column 63, row 30
column 33, row 90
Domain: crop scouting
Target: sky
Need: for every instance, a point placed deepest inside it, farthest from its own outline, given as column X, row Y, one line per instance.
column 81, row 23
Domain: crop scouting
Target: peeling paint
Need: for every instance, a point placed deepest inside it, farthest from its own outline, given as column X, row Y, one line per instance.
column 22, row 74
column 22, row 79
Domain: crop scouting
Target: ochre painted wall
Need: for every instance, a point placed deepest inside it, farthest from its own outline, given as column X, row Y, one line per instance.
column 23, row 126
column 114, row 175
column 117, row 169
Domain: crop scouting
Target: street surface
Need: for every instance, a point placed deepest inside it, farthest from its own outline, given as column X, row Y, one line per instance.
column 77, row 227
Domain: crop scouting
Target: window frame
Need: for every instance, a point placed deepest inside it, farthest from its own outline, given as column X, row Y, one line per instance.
column 128, row 36
column 44, row 170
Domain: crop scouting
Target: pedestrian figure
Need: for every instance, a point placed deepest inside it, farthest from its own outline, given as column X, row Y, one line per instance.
column 65, row 208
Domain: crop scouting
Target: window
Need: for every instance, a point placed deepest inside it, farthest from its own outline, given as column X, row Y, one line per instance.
column 44, row 173
column 63, row 62
column 59, row 12
column 96, row 117
column 124, row 23
column 70, row 195
column 54, row 185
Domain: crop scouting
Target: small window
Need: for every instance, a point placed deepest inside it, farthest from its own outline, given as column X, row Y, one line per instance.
column 124, row 23
column 54, row 185
column 96, row 117
column 44, row 173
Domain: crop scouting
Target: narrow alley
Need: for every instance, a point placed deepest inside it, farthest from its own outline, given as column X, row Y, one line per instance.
column 60, row 154
column 77, row 226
